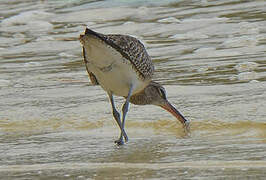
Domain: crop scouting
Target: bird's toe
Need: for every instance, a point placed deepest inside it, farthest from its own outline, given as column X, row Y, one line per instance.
column 119, row 142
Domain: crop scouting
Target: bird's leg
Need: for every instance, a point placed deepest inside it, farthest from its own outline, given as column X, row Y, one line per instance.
column 125, row 110
column 117, row 118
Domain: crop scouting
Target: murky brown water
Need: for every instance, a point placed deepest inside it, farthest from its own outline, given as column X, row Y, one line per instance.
column 210, row 55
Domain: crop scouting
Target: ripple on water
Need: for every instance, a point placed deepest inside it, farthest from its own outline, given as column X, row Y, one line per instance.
column 169, row 20
column 63, row 54
column 247, row 76
column 190, row 35
column 32, row 21
column 4, row 82
column 45, row 38
column 26, row 17
column 32, row 64
column 248, row 28
column 241, row 42
column 246, row 66
column 205, row 50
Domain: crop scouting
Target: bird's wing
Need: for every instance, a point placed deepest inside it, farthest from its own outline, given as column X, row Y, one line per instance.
column 131, row 49
column 134, row 51
column 92, row 77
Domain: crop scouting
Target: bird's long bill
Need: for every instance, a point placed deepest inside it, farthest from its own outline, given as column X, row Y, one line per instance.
column 170, row 108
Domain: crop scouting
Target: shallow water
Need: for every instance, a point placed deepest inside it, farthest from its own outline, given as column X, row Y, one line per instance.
column 210, row 55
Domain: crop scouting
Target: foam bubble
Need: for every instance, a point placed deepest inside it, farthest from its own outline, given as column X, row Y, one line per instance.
column 26, row 17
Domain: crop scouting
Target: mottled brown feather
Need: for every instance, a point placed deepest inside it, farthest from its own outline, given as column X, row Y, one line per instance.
column 131, row 49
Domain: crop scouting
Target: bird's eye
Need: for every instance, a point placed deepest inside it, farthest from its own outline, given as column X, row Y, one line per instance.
column 162, row 93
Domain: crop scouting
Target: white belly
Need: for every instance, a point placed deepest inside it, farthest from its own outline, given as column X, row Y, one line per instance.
column 114, row 73
column 118, row 78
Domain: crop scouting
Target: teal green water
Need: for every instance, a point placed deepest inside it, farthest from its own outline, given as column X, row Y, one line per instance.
column 210, row 56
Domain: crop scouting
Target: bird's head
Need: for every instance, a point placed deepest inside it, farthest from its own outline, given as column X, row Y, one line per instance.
column 155, row 94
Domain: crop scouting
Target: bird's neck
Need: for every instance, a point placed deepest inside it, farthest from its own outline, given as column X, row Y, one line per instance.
column 142, row 97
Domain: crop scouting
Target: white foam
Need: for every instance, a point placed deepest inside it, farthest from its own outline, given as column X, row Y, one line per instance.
column 40, row 26
column 169, row 20
column 33, row 21
column 26, row 17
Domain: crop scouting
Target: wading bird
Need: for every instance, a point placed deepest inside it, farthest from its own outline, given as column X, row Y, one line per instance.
column 121, row 65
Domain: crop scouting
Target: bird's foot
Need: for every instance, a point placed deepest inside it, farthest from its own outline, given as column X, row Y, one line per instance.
column 119, row 142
